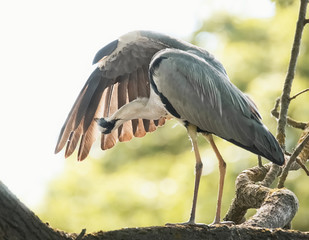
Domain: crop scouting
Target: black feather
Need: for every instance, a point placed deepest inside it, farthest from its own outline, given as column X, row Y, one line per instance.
column 105, row 51
column 154, row 65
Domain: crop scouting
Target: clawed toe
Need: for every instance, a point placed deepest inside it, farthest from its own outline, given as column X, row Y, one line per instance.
column 186, row 223
column 227, row 223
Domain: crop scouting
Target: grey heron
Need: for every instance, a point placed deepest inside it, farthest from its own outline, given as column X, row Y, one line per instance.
column 144, row 78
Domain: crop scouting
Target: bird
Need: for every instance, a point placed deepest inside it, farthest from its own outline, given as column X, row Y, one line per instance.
column 145, row 78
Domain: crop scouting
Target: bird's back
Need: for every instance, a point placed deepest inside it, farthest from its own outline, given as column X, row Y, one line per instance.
column 202, row 95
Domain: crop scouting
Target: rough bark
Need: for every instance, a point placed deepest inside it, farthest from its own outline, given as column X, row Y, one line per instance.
column 277, row 210
column 277, row 207
column 197, row 233
column 18, row 222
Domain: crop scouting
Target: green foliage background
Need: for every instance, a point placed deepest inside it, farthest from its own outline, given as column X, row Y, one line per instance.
column 149, row 181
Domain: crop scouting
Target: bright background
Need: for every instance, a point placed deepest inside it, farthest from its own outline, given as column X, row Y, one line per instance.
column 46, row 53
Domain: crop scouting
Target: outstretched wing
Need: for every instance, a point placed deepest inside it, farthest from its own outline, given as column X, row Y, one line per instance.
column 121, row 77
column 200, row 94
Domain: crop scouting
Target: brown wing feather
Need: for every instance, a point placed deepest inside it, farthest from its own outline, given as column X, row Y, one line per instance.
column 152, row 126
column 121, row 78
column 109, row 140
column 132, row 94
column 103, row 99
column 143, row 86
column 72, row 142
column 140, row 130
column 143, row 90
column 91, row 132
column 122, row 96
column 66, row 131
column 125, row 132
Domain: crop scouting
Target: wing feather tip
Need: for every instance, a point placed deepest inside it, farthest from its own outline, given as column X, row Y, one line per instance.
column 140, row 134
column 125, row 137
column 57, row 149
column 107, row 146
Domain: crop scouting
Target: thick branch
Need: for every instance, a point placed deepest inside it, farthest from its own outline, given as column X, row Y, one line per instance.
column 196, row 232
column 271, row 175
column 248, row 194
column 18, row 222
column 276, row 207
column 277, row 210
column 285, row 97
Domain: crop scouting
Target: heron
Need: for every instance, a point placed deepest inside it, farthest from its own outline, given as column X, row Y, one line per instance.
column 143, row 79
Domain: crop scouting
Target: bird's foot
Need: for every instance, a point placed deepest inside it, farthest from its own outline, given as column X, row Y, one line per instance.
column 191, row 223
column 227, row 223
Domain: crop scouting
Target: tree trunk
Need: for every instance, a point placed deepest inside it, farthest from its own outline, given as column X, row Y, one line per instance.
column 18, row 222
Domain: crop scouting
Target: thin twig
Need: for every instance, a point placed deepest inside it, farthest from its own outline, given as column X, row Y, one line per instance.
column 290, row 121
column 274, row 111
column 301, row 92
column 291, row 72
column 260, row 163
column 296, row 152
column 302, row 166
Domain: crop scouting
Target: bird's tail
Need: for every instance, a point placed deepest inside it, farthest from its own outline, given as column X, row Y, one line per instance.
column 264, row 144
column 270, row 147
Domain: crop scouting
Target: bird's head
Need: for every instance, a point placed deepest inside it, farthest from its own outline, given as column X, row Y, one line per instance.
column 105, row 126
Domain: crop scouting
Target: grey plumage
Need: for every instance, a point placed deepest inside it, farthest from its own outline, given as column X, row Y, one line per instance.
column 212, row 103
column 208, row 95
column 144, row 78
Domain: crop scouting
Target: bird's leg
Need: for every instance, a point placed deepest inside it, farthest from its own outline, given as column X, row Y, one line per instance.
column 198, row 170
column 222, row 170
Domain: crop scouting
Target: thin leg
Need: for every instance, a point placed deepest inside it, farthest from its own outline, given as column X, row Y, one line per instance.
column 198, row 170
column 260, row 163
column 222, row 170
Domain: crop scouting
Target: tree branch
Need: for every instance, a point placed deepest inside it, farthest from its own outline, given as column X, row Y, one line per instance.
column 271, row 175
column 248, row 194
column 285, row 97
column 277, row 210
column 302, row 166
column 198, row 232
column 277, row 207
column 296, row 152
column 301, row 92
column 18, row 222
column 290, row 121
